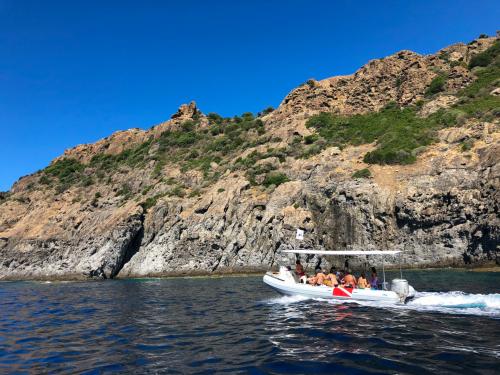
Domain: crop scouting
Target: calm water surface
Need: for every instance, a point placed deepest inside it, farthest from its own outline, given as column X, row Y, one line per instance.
column 240, row 325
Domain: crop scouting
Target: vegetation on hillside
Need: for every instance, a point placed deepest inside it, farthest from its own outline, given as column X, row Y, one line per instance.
column 488, row 57
column 400, row 134
column 437, row 85
column 3, row 196
column 189, row 146
column 362, row 173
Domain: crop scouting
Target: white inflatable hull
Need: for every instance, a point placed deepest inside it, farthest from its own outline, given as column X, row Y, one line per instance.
column 288, row 287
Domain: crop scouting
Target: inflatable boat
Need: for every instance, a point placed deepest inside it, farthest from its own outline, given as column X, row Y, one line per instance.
column 286, row 282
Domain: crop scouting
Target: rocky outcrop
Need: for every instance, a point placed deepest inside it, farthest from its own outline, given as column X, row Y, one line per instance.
column 401, row 78
column 441, row 211
column 101, row 257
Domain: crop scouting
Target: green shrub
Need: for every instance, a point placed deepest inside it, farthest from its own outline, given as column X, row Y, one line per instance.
column 311, row 151
column 149, row 202
column 22, row 199
column 267, row 110
column 214, row 118
column 436, row 85
column 193, row 154
column 87, row 181
column 455, row 63
column 310, row 139
column 158, row 168
column 4, row 196
column 66, row 170
column 247, row 116
column 487, row 57
column 45, row 180
column 62, row 187
column 388, row 156
column 177, row 191
column 487, row 78
column 362, row 173
column 311, row 83
column 275, row 179
column 96, row 199
column 194, row 193
column 125, row 190
column 467, row 145
column 146, row 189
column 170, row 181
column 480, row 59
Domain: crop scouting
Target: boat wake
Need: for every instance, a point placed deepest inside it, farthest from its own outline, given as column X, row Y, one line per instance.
column 286, row 300
column 458, row 303
column 445, row 302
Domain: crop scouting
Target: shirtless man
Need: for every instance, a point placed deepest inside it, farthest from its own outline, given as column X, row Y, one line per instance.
column 362, row 282
column 349, row 280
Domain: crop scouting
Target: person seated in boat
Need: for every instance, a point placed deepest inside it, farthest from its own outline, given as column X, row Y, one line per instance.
column 349, row 281
column 312, row 279
column 374, row 279
column 331, row 278
column 338, row 273
column 318, row 278
column 299, row 269
column 362, row 282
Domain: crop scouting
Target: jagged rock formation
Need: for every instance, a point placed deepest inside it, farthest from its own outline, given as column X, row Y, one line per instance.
column 147, row 215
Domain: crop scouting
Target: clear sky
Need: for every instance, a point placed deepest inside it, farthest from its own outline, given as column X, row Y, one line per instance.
column 73, row 72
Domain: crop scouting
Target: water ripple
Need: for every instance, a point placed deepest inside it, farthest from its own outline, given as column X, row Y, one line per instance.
column 238, row 325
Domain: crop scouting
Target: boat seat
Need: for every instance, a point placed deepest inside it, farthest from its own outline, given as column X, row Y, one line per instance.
column 295, row 277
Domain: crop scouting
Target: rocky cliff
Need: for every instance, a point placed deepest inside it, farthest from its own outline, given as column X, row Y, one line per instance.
column 403, row 154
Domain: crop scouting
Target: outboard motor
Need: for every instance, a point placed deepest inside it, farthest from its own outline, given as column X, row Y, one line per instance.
column 401, row 288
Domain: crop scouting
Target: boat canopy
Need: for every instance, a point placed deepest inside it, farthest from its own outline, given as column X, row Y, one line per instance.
column 343, row 252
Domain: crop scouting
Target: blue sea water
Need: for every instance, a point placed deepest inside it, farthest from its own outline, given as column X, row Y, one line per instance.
column 239, row 325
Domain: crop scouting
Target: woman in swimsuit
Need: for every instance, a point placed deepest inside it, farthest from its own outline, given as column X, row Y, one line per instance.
column 349, row 280
column 318, row 279
column 362, row 282
column 331, row 278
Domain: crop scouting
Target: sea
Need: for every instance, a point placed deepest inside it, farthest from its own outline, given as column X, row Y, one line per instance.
column 239, row 325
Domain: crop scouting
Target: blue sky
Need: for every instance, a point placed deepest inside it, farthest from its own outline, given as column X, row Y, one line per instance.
column 72, row 72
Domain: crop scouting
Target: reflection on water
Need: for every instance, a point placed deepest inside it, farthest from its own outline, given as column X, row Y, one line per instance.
column 239, row 325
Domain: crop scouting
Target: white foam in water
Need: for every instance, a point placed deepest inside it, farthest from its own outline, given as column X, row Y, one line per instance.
column 459, row 302
column 445, row 302
column 285, row 300
column 451, row 303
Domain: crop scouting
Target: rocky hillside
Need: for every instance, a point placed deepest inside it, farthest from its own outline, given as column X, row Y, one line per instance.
column 402, row 154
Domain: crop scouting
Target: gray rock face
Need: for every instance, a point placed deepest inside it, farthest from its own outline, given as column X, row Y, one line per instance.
column 441, row 216
column 440, row 220
column 101, row 257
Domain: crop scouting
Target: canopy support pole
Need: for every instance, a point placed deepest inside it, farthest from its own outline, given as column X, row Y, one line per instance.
column 400, row 270
column 383, row 273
